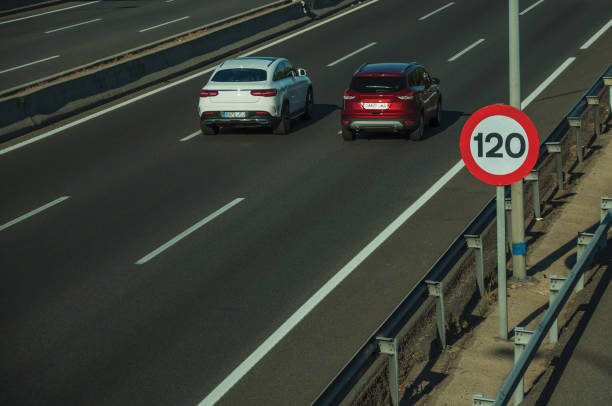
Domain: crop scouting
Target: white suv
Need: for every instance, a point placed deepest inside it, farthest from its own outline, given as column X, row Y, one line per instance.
column 260, row 92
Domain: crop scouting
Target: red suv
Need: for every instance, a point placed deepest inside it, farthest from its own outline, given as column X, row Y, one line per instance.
column 397, row 97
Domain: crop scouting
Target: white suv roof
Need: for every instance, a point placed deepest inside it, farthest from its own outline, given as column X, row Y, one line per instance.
column 258, row 62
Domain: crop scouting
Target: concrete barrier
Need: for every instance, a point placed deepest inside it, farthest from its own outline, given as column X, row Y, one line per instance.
column 27, row 111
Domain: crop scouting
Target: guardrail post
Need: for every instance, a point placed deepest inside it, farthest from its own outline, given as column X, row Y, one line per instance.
column 388, row 346
column 521, row 338
column 554, row 286
column 583, row 240
column 606, row 206
column 480, row 400
column 475, row 241
column 435, row 289
column 576, row 124
column 608, row 82
column 534, row 177
column 594, row 101
column 508, row 207
column 554, row 148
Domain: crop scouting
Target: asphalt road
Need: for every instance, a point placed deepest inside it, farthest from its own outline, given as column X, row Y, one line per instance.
column 46, row 41
column 84, row 324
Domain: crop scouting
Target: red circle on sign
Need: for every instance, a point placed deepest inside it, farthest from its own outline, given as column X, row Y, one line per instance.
column 532, row 140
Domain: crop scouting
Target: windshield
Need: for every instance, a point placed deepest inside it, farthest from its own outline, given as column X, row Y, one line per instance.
column 378, row 84
column 240, row 75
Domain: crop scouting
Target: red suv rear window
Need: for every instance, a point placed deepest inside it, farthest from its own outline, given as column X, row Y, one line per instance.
column 378, row 84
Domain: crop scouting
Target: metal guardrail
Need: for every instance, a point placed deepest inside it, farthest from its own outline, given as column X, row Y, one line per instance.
column 548, row 320
column 361, row 361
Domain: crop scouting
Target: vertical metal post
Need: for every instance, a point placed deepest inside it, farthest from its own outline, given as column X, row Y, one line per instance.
column 534, row 178
column 388, row 346
column 521, row 339
column 480, row 400
column 501, row 264
column 594, row 101
column 553, row 288
column 554, row 148
column 583, row 240
column 435, row 289
column 606, row 205
column 508, row 208
column 518, row 217
column 475, row 241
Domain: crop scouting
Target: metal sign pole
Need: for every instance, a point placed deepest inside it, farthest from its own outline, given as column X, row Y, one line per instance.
column 518, row 216
column 501, row 264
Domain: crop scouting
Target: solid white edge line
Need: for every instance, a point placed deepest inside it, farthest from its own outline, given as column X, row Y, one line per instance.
column 437, row 11
column 597, row 35
column 190, row 230
column 169, row 85
column 73, row 25
column 352, row 54
column 312, row 27
column 547, row 82
column 190, row 136
column 245, row 366
column 48, row 12
column 33, row 212
column 28, row 64
column 530, row 7
column 162, row 24
column 475, row 44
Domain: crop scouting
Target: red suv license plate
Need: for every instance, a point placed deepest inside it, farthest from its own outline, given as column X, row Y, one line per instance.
column 376, row 106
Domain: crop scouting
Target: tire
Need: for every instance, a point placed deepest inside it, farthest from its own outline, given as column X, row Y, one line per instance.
column 417, row 135
column 209, row 129
column 308, row 106
column 283, row 125
column 348, row 134
column 437, row 119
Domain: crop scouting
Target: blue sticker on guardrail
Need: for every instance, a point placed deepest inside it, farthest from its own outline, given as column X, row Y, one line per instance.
column 519, row 249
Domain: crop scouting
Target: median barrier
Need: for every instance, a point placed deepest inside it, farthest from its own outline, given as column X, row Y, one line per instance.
column 412, row 326
column 23, row 110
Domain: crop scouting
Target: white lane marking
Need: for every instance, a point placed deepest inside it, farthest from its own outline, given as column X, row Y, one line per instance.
column 33, row 212
column 312, row 27
column 438, row 10
column 162, row 24
column 481, row 40
column 261, row 351
column 190, row 230
column 351, row 54
column 195, row 134
column 28, row 64
column 169, row 85
column 329, row 286
column 169, row 1
column 530, row 7
column 547, row 82
column 340, row 132
column 73, row 25
column 48, row 12
column 596, row 35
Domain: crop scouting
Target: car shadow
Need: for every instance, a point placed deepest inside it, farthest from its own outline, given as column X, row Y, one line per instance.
column 449, row 118
column 319, row 112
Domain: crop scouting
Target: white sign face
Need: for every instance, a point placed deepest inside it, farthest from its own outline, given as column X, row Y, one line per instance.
column 499, row 145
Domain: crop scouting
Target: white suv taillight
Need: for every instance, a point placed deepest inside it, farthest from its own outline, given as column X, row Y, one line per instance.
column 264, row 93
column 208, row 93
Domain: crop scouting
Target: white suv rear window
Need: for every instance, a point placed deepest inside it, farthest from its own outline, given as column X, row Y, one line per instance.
column 240, row 75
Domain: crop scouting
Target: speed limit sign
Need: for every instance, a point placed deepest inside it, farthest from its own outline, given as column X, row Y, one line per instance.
column 499, row 144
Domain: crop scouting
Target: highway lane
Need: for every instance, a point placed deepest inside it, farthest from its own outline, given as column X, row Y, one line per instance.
column 168, row 331
column 77, row 33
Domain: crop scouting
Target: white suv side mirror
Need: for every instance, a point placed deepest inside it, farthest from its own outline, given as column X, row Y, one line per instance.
column 301, row 72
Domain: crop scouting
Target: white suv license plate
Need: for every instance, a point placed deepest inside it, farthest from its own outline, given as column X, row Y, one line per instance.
column 233, row 114
column 376, row 106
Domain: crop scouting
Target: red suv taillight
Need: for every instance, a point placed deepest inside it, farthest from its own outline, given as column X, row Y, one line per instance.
column 348, row 96
column 208, row 93
column 406, row 96
column 264, row 93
